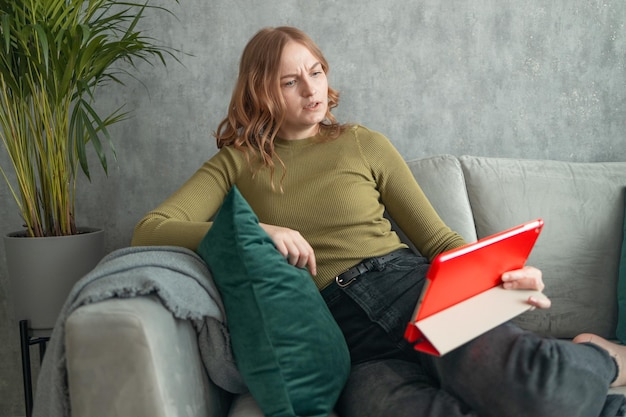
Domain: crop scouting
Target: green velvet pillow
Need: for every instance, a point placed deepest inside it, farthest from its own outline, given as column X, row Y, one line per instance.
column 288, row 348
column 621, row 287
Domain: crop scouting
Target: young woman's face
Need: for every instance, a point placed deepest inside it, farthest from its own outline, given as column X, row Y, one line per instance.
column 304, row 87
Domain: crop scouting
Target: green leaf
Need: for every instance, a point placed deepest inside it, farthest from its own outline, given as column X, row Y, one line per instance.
column 43, row 43
column 55, row 55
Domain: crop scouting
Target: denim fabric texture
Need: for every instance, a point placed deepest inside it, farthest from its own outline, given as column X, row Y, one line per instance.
column 504, row 372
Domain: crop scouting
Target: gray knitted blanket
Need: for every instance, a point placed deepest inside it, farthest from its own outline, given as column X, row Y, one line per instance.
column 182, row 281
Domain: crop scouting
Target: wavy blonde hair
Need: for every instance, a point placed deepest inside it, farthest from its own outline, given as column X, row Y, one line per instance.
column 257, row 108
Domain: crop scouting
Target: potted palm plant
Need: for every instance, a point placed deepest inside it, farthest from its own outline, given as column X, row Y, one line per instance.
column 54, row 54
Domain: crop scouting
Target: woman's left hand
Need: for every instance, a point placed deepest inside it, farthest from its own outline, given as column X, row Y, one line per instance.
column 527, row 278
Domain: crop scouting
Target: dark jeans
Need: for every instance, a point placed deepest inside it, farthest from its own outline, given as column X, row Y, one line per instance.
column 505, row 372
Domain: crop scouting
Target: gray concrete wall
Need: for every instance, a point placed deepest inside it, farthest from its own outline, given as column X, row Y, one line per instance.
column 531, row 79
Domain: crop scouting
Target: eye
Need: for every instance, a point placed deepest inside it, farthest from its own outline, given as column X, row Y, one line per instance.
column 316, row 73
column 289, row 83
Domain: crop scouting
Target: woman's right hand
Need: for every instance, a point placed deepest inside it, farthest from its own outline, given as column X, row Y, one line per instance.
column 292, row 246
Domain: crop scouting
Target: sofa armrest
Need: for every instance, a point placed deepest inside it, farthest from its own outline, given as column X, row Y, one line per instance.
column 131, row 357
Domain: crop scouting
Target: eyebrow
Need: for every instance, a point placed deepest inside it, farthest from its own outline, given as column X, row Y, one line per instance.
column 318, row 63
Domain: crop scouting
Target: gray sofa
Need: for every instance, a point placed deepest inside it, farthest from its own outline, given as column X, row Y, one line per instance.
column 148, row 364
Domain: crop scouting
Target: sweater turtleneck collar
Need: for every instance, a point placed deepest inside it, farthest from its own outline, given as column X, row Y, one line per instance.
column 295, row 143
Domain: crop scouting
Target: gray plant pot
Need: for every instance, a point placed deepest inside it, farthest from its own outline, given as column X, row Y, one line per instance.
column 43, row 270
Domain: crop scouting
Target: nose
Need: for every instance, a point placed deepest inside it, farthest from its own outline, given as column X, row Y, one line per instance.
column 308, row 89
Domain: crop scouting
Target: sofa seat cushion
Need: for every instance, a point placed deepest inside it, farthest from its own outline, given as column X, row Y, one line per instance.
column 578, row 250
column 246, row 406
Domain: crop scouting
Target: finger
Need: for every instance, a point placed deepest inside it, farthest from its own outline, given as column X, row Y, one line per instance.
column 526, row 272
column 301, row 254
column 307, row 258
column 282, row 248
column 518, row 280
column 300, row 260
column 312, row 264
column 539, row 302
column 523, row 284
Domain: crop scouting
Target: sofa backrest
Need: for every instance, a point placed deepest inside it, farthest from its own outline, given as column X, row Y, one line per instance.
column 441, row 179
column 578, row 251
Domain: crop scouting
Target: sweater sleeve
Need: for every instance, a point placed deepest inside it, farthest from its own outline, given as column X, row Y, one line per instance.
column 404, row 199
column 184, row 217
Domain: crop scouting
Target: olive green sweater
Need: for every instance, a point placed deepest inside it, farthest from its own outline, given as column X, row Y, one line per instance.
column 334, row 194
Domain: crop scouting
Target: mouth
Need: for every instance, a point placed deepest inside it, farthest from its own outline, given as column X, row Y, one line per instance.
column 312, row 106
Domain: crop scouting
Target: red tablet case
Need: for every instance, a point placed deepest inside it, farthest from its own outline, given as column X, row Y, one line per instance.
column 462, row 297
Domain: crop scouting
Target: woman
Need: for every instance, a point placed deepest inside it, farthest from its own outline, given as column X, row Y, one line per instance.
column 320, row 189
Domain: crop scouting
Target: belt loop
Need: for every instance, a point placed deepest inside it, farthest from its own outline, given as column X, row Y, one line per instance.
column 378, row 263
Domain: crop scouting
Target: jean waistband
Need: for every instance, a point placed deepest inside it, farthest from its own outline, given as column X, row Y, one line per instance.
column 349, row 276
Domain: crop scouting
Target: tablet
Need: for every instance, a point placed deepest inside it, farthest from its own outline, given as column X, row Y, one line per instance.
column 462, row 273
column 462, row 297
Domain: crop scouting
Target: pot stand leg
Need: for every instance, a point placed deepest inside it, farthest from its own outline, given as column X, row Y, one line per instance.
column 25, row 343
